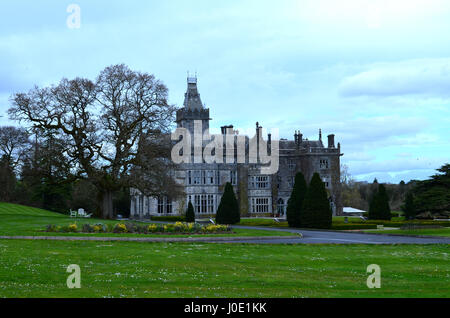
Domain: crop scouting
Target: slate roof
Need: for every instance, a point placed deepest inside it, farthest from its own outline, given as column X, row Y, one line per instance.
column 192, row 99
column 290, row 144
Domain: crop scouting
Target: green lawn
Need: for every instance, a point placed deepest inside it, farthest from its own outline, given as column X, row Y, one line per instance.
column 431, row 232
column 133, row 269
column 22, row 220
column 37, row 268
column 354, row 223
column 337, row 220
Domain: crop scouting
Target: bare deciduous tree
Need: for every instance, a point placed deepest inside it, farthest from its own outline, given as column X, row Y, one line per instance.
column 12, row 143
column 114, row 129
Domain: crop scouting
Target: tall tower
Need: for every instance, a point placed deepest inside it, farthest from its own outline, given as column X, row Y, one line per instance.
column 193, row 108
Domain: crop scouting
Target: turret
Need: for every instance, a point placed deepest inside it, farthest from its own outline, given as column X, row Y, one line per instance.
column 193, row 108
column 192, row 97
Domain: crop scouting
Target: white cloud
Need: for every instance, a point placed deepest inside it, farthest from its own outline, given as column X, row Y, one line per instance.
column 396, row 165
column 284, row 64
column 359, row 156
column 364, row 131
column 411, row 77
column 389, row 177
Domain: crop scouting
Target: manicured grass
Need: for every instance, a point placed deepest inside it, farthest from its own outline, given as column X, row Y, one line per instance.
column 354, row 223
column 37, row 268
column 132, row 269
column 22, row 220
column 431, row 232
column 356, row 219
column 337, row 220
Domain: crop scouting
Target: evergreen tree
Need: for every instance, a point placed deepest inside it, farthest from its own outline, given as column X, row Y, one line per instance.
column 383, row 204
column 190, row 214
column 373, row 207
column 295, row 202
column 316, row 211
column 228, row 210
column 409, row 208
column 379, row 205
column 433, row 195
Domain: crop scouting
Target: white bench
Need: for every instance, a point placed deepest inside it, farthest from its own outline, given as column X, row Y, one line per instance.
column 81, row 213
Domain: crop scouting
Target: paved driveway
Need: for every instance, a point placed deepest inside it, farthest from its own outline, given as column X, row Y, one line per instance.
column 330, row 237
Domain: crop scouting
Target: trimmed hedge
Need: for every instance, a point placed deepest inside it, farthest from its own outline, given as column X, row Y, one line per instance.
column 168, row 218
column 399, row 224
column 353, row 226
column 263, row 222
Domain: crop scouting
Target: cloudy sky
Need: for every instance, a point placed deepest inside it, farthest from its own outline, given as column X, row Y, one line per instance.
column 374, row 73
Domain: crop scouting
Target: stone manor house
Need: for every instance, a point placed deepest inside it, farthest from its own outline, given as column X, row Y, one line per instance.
column 258, row 194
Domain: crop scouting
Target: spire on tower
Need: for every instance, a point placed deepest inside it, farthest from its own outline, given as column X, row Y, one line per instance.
column 192, row 97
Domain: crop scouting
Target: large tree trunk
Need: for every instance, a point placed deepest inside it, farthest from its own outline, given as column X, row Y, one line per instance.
column 107, row 204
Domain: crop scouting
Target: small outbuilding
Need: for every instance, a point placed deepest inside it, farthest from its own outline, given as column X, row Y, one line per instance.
column 349, row 211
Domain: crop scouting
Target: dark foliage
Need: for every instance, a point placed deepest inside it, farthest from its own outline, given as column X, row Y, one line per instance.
column 316, row 211
column 122, row 202
column 228, row 210
column 408, row 208
column 433, row 195
column 294, row 207
column 379, row 205
column 190, row 214
column 7, row 181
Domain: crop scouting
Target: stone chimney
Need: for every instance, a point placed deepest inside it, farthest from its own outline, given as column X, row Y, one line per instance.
column 331, row 141
column 224, row 129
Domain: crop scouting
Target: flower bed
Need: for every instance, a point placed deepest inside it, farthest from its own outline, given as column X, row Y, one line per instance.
column 176, row 228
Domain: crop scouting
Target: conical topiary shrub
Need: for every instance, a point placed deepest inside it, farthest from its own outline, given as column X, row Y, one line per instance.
column 228, row 210
column 295, row 202
column 316, row 210
column 190, row 214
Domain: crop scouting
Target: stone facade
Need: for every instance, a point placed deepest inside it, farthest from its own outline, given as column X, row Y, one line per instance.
column 257, row 194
